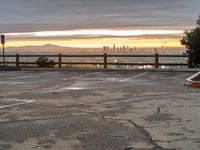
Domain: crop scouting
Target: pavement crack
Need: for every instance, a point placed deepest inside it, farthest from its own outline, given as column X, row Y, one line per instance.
column 147, row 135
column 71, row 106
column 177, row 140
column 142, row 131
column 115, row 136
column 54, row 106
column 99, row 115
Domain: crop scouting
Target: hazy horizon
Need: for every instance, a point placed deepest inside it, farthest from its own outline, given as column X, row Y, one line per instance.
column 54, row 49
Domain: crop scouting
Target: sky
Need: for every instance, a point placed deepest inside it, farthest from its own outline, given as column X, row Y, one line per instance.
column 95, row 23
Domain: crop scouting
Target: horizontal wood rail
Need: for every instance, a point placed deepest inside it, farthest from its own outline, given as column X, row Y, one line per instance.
column 104, row 57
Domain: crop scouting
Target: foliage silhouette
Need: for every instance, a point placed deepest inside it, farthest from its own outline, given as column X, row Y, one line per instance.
column 45, row 62
column 191, row 41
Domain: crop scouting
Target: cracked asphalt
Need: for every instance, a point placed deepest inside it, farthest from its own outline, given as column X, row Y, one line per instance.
column 88, row 110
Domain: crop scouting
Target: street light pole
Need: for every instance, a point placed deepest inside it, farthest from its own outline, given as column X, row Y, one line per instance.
column 3, row 43
column 3, row 56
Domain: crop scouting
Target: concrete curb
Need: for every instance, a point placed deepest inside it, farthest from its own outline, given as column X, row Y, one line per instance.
column 192, row 81
column 10, row 69
column 110, row 70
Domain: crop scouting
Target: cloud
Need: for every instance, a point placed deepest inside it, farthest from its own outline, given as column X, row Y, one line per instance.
column 45, row 15
column 67, row 38
column 117, row 33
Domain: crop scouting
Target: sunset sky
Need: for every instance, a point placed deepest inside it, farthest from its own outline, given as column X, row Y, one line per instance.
column 94, row 23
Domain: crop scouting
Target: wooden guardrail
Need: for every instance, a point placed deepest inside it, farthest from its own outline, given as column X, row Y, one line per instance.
column 105, row 57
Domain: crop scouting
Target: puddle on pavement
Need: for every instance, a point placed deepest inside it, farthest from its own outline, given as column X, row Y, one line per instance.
column 88, row 84
column 93, row 83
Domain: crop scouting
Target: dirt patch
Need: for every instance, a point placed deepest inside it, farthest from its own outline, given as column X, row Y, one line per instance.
column 160, row 117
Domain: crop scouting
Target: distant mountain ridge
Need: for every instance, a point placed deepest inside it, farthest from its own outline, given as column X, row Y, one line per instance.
column 48, row 48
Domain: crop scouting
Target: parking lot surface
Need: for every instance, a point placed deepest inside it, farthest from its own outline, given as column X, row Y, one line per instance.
column 81, row 110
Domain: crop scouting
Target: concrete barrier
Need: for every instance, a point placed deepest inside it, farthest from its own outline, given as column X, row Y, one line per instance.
column 193, row 80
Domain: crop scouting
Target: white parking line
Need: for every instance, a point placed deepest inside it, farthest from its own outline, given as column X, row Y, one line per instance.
column 83, row 75
column 32, row 75
column 22, row 77
column 22, row 102
column 124, row 80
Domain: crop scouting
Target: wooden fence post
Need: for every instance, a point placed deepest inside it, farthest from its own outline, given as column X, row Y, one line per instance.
column 105, row 61
column 17, row 60
column 156, row 60
column 59, row 60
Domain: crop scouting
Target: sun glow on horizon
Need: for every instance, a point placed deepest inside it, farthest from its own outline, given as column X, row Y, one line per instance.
column 99, row 43
column 96, row 38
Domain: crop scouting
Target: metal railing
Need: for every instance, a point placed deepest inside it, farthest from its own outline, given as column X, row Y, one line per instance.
column 104, row 57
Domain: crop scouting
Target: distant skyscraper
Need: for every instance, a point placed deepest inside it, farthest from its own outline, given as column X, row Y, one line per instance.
column 124, row 48
column 108, row 49
column 114, row 48
column 104, row 48
column 127, row 48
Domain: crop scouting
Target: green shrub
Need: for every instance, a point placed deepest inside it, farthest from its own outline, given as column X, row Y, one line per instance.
column 45, row 62
column 51, row 63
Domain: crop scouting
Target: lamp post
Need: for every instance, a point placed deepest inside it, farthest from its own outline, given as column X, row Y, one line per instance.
column 3, row 43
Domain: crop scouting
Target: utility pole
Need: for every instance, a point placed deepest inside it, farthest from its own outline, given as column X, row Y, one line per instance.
column 3, row 43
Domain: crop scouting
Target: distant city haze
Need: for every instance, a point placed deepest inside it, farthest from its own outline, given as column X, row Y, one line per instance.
column 93, row 24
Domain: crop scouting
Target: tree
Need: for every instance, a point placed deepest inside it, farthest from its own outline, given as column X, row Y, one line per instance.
column 191, row 41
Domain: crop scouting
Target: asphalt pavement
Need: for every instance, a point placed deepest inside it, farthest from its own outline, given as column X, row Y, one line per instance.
column 96, row 110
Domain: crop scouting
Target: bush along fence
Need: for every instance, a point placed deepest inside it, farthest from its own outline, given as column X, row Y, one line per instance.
column 49, row 60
